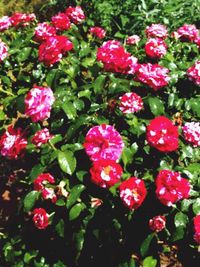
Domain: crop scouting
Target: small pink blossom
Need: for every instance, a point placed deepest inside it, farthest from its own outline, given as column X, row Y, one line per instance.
column 191, row 132
column 155, row 48
column 193, row 73
column 41, row 137
column 61, row 22
column 42, row 180
column 157, row 223
column 13, row 143
column 5, row 23
column 103, row 142
column 196, row 222
column 48, row 193
column 130, row 103
column 134, row 39
column 154, row 75
column 40, row 218
column 43, row 31
column 98, row 32
column 22, row 19
column 3, row 51
column 186, row 33
column 157, row 30
column 38, row 103
column 75, row 14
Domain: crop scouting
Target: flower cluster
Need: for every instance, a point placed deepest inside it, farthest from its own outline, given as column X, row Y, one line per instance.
column 154, row 75
column 40, row 218
column 21, row 19
column 115, row 59
column 191, row 132
column 133, row 39
column 133, row 192
column 193, row 73
column 52, row 50
column 130, row 103
column 105, row 173
column 61, row 22
column 39, row 185
column 5, row 23
column 41, row 137
column 171, row 187
column 197, row 229
column 157, row 223
column 155, row 48
column 13, row 143
column 43, row 31
column 103, row 142
column 75, row 14
column 162, row 134
column 187, row 33
column 98, row 32
column 156, row 30
column 38, row 103
column 3, row 51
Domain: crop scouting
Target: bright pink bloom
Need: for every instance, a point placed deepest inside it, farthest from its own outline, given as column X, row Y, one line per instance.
column 157, row 223
column 103, row 142
column 197, row 41
column 41, row 137
column 48, row 193
column 115, row 59
column 42, row 180
column 171, row 187
column 5, row 23
column 38, row 103
column 3, row 51
column 191, row 132
column 134, row 39
column 193, row 73
column 105, row 173
column 155, row 48
column 156, row 30
column 162, row 134
column 21, row 19
column 197, row 229
column 187, row 33
column 154, row 75
column 53, row 49
column 133, row 192
column 61, row 22
column 75, row 14
column 43, row 31
column 40, row 218
column 130, row 103
column 13, row 143
column 98, row 32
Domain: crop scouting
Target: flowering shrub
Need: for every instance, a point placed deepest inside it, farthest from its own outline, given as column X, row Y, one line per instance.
column 96, row 156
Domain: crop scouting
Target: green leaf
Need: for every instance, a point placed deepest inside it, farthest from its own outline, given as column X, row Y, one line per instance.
column 69, row 110
column 145, row 245
column 60, row 202
column 24, row 54
column 196, row 206
column 75, row 194
column 60, row 228
column 76, row 210
column 30, row 199
column 156, row 106
column 181, row 220
column 178, row 234
column 99, row 84
column 51, row 76
column 36, row 170
column 149, row 262
column 67, row 161
column 185, row 204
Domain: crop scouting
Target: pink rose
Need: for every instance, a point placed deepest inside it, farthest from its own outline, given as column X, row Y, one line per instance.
column 187, row 33
column 193, row 73
column 61, row 22
column 40, row 218
column 41, row 137
column 3, row 51
column 134, row 39
column 191, row 132
column 5, row 23
column 196, row 222
column 43, row 31
column 75, row 14
column 157, row 223
column 156, row 30
column 22, row 19
column 155, row 48
column 130, row 103
column 98, row 32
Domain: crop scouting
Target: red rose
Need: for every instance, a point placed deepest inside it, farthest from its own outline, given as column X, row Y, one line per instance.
column 133, row 192
column 61, row 22
column 130, row 103
column 43, row 31
column 76, row 14
column 156, row 30
column 193, row 73
column 171, row 187
column 155, row 48
column 197, row 229
column 21, row 19
column 40, row 218
column 98, row 32
column 157, row 223
column 154, row 75
column 105, row 173
column 41, row 137
column 43, row 179
column 13, row 143
column 162, row 134
column 187, row 33
column 191, row 132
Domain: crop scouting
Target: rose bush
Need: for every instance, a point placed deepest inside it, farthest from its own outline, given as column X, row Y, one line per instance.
column 97, row 141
